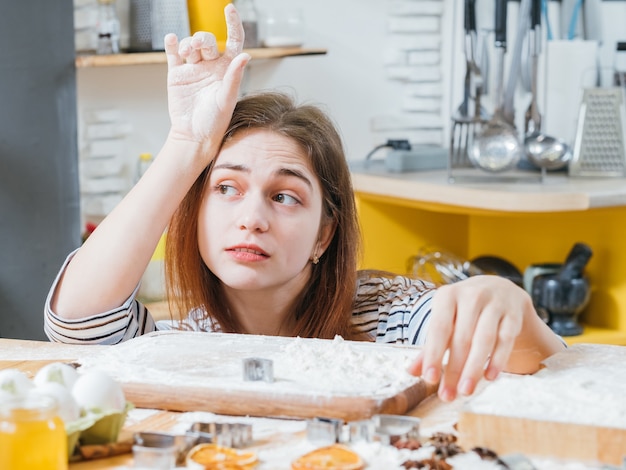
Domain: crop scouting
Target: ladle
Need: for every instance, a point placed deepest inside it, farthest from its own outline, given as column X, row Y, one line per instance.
column 543, row 151
column 497, row 147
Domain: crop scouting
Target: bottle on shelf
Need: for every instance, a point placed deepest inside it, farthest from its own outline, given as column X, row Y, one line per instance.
column 108, row 28
column 208, row 15
column 152, row 288
column 144, row 161
column 250, row 20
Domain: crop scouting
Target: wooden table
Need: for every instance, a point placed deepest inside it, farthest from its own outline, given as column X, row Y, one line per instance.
column 29, row 356
column 435, row 415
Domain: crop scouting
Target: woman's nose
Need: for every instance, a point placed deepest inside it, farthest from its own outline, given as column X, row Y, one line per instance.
column 253, row 214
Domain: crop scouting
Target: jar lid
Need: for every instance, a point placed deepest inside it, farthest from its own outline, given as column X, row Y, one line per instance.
column 30, row 402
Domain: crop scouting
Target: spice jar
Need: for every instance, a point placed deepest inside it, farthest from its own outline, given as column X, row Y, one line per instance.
column 32, row 436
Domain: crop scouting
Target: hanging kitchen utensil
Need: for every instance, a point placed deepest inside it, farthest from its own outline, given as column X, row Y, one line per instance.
column 470, row 113
column 543, row 151
column 532, row 118
column 599, row 145
column 482, row 56
column 497, row 147
column 519, row 62
column 571, row 20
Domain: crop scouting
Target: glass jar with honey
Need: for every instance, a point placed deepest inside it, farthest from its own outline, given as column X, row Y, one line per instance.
column 32, row 436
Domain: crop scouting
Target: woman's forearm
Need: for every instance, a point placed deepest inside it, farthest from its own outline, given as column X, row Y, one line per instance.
column 107, row 268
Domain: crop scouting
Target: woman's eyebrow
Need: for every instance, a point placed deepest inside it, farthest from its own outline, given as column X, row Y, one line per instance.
column 232, row 166
column 298, row 174
column 280, row 172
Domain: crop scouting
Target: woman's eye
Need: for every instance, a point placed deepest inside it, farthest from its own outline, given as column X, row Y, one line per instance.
column 286, row 199
column 226, row 190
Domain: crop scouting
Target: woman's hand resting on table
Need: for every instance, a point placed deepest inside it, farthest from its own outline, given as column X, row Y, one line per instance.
column 203, row 84
column 488, row 325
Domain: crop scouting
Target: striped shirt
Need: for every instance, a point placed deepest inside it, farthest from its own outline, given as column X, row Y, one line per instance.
column 388, row 309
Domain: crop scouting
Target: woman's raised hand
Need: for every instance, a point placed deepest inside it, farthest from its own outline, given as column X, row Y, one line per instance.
column 203, row 84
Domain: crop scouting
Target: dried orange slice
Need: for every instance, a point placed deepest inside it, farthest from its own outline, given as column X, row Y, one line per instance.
column 334, row 457
column 216, row 457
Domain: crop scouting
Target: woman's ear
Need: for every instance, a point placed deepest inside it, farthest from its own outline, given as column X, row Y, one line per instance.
column 327, row 231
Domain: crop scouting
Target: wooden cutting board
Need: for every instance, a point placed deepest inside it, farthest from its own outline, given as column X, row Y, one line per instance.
column 203, row 372
column 508, row 435
column 574, row 408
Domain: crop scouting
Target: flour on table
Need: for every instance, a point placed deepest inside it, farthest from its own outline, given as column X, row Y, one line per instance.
column 302, row 365
column 585, row 384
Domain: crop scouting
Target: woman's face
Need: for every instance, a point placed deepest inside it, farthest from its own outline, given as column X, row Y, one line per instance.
column 260, row 218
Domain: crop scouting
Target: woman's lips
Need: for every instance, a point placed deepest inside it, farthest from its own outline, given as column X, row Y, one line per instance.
column 247, row 253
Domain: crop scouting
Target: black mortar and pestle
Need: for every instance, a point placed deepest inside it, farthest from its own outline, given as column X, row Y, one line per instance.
column 565, row 293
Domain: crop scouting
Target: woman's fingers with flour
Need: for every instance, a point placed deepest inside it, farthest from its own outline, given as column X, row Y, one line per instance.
column 171, row 50
column 440, row 330
column 474, row 343
column 203, row 85
column 477, row 321
column 202, row 46
column 236, row 35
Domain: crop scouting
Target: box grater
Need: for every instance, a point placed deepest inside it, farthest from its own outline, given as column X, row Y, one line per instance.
column 151, row 20
column 599, row 144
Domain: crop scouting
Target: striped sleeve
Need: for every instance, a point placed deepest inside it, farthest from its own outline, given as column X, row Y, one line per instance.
column 129, row 320
column 393, row 309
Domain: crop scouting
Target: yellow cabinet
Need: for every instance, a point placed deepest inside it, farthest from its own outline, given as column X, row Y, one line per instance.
column 524, row 222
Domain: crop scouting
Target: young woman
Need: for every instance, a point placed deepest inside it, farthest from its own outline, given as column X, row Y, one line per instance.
column 263, row 239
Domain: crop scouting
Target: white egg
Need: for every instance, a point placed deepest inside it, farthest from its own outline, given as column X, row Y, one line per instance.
column 58, row 372
column 15, row 382
column 96, row 392
column 68, row 409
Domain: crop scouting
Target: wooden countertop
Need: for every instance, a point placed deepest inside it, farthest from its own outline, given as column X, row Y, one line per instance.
column 515, row 191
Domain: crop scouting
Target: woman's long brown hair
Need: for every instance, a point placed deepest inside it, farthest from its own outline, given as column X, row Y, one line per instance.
column 324, row 308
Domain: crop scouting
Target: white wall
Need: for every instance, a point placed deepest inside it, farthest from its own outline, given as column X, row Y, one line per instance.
column 350, row 81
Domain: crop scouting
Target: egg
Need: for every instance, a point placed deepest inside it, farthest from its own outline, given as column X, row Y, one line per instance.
column 97, row 392
column 14, row 382
column 68, row 410
column 58, row 372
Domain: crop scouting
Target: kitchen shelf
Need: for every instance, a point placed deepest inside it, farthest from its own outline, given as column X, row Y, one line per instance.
column 145, row 58
column 598, row 335
column 524, row 222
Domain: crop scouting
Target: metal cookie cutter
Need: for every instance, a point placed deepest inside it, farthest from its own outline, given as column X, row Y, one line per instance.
column 392, row 428
column 150, row 446
column 258, row 369
column 363, row 430
column 325, row 431
column 225, row 434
